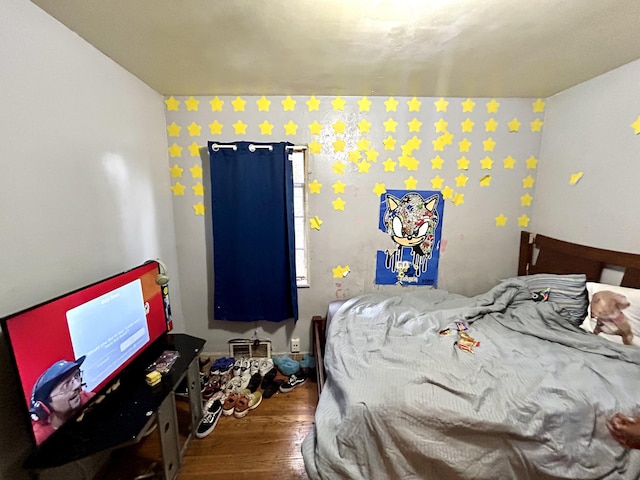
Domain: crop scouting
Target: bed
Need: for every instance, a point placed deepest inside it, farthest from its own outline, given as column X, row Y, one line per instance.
column 404, row 394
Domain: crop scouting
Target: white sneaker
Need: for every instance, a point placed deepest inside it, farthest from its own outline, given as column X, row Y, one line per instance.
column 255, row 365
column 265, row 365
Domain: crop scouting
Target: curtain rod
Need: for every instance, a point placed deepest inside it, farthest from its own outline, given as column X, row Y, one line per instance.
column 252, row 148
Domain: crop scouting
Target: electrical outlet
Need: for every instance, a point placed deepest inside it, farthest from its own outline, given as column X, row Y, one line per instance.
column 295, row 345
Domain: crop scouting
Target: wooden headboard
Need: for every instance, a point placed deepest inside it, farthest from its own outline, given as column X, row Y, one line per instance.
column 557, row 256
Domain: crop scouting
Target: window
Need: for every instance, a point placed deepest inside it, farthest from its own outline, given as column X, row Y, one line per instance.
column 299, row 163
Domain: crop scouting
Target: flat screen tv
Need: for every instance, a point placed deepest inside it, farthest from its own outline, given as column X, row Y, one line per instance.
column 69, row 349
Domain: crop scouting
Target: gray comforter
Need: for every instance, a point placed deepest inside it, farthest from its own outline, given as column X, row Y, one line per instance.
column 531, row 402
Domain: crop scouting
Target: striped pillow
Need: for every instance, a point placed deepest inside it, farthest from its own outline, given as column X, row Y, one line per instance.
column 568, row 291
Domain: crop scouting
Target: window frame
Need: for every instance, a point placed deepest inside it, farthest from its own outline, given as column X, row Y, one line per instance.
column 299, row 162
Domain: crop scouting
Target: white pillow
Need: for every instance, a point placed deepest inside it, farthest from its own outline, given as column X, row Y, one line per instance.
column 632, row 312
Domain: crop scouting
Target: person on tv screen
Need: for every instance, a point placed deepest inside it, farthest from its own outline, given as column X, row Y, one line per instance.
column 56, row 396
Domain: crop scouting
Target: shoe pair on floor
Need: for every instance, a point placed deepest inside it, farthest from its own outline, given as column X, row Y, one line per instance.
column 211, row 414
column 239, row 403
column 294, row 381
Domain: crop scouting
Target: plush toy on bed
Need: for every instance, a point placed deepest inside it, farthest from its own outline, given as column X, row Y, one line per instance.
column 606, row 309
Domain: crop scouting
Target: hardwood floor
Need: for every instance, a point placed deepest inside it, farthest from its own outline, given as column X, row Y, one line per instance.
column 264, row 445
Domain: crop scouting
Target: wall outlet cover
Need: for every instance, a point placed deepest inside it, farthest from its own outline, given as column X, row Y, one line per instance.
column 295, row 345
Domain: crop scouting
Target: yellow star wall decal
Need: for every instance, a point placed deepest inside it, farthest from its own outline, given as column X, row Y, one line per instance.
column 441, row 105
column 198, row 208
column 288, row 104
column 238, row 104
column 263, row 104
column 463, row 163
column 490, row 125
column 461, row 180
column 485, row 181
column 447, row 192
column 414, row 125
column 379, row 189
column 492, row 106
column 437, row 162
column 410, row 163
column 338, row 187
column 172, row 104
column 196, row 171
column 338, row 167
column 338, row 204
column 340, row 271
column 390, row 125
column 364, row 126
column 215, row 128
column 525, row 200
column 436, row 182
column 489, row 144
column 240, row 128
column 536, row 125
column 389, row 165
column 315, row 223
column 194, row 129
column 354, row 156
column 192, row 104
column 174, row 130
column 575, row 178
column 514, row 125
column 178, row 189
column 389, row 143
column 528, row 182
column 364, row 104
column 464, row 145
column 486, row 163
column 194, row 149
column 467, row 125
column 315, row 128
column 266, row 128
column 364, row 166
column 532, row 162
column 391, row 104
column 458, row 199
column 372, row 155
column 509, row 162
column 315, row 147
column 501, row 220
column 216, row 104
column 438, row 144
column 441, row 125
column 198, row 190
column 290, row 128
column 411, row 183
column 315, row 186
column 523, row 221
column 538, row 105
column 636, row 126
column 468, row 105
column 338, row 145
column 175, row 150
column 414, row 105
column 339, row 126
column 313, row 104
column 176, row 171
column 338, row 104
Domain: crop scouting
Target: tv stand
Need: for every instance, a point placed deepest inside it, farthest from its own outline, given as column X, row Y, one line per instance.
column 125, row 414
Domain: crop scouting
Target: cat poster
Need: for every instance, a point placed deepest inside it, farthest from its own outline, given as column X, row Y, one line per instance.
column 413, row 222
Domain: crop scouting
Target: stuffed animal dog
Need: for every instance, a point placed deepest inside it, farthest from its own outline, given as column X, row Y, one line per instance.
column 606, row 309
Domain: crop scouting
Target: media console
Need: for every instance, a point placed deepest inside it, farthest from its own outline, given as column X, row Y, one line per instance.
column 121, row 416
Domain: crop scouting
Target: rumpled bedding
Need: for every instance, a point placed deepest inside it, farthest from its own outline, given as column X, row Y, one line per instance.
column 531, row 401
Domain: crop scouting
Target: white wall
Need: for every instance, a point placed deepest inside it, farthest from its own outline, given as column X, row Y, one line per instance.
column 84, row 186
column 588, row 129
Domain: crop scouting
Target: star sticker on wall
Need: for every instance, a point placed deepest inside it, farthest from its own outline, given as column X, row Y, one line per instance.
column 447, row 192
column 196, row 171
column 467, row 125
column 263, row 104
column 172, row 104
column 575, row 178
column 447, row 138
column 315, row 223
column 216, row 104
column 363, row 144
column 485, row 181
column 438, row 144
column 509, row 162
column 523, row 220
column 175, row 150
column 379, row 189
column 364, row 166
column 441, row 105
column 178, row 189
column 462, row 163
column 215, row 128
column 461, row 180
column 364, row 103
column 490, row 125
column 532, row 162
column 468, row 105
column 410, row 163
column 538, row 105
column 198, row 208
column 414, row 105
column 441, row 125
column 338, row 187
column 340, row 271
column 339, row 126
column 514, row 125
column 458, row 199
column 492, row 106
column 313, row 104
column 192, row 104
column 266, row 128
column 290, row 128
column 198, row 190
column 338, row 145
column 436, row 182
column 176, row 171
column 338, row 204
column 391, row 104
column 414, row 125
column 372, row 155
column 464, row 145
column 315, row 128
column 338, row 103
column 410, row 183
column 486, row 163
column 240, row 128
column 536, row 125
column 315, row 147
column 389, row 143
column 390, row 125
column 489, row 144
column 194, row 149
column 501, row 220
column 238, row 104
column 338, row 167
column 437, row 162
column 288, row 104
column 174, row 129
column 525, row 200
column 389, row 165
column 364, row 125
column 528, row 182
column 636, row 126
column 354, row 156
column 194, row 129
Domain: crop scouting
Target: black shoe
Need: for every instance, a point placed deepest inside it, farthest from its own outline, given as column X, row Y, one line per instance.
column 254, row 383
column 269, row 377
column 209, row 419
column 295, row 380
column 272, row 388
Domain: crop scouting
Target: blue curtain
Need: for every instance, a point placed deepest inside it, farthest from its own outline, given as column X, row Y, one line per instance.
column 253, row 233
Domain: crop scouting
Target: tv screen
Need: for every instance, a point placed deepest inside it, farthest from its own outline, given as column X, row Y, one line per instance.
column 68, row 349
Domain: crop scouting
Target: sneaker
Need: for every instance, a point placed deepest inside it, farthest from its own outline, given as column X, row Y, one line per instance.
column 209, row 419
column 245, row 365
column 247, row 401
column 254, row 383
column 255, row 366
column 272, row 388
column 230, row 403
column 294, row 380
column 236, row 367
column 234, row 385
column 266, row 365
column 269, row 377
column 245, row 378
